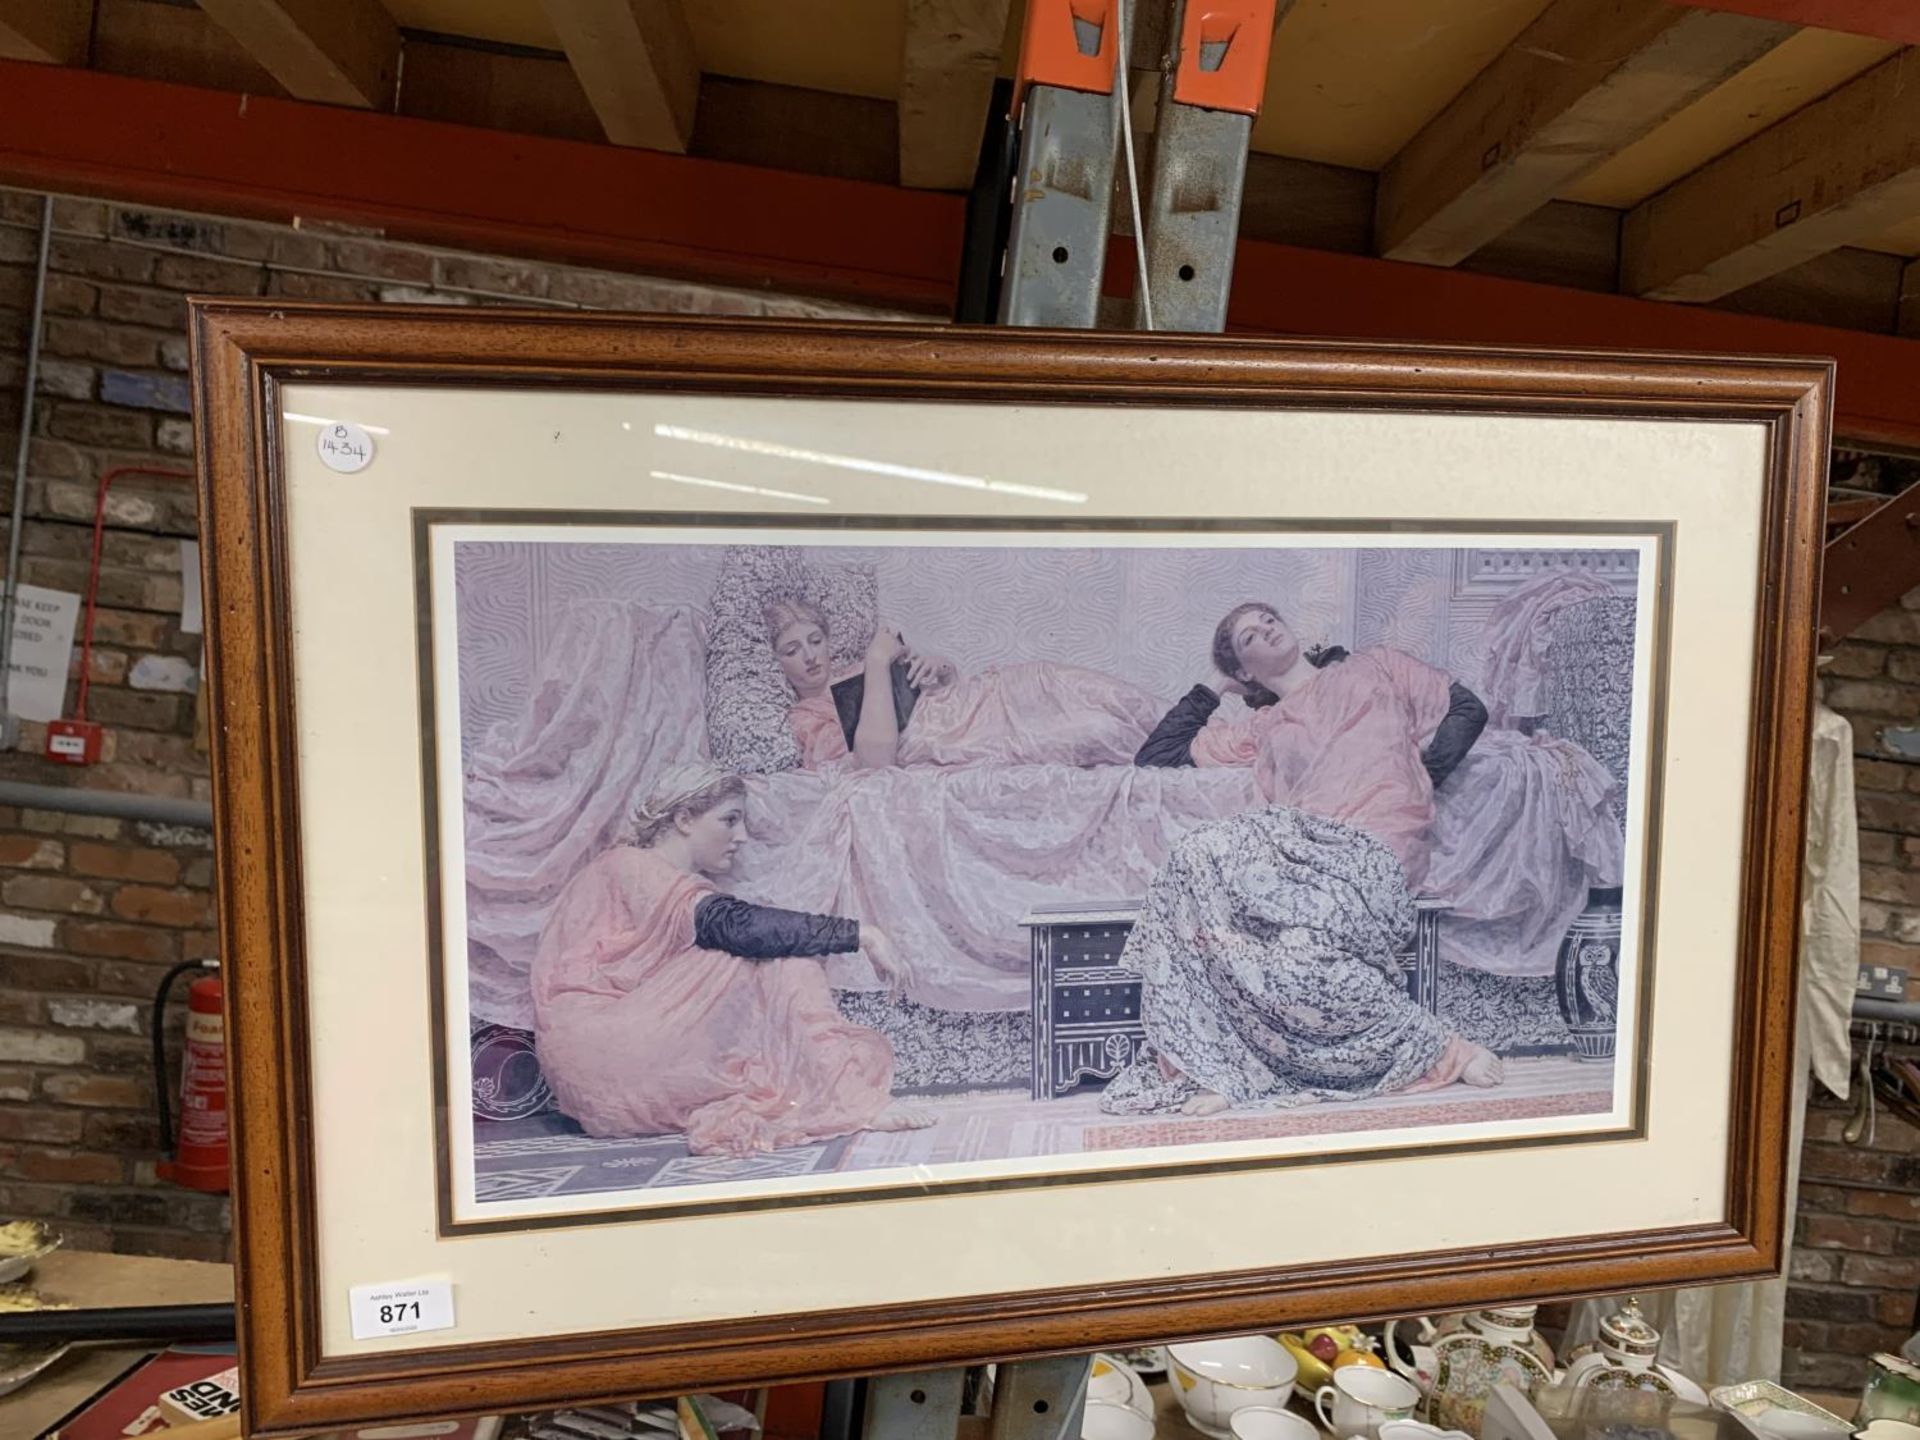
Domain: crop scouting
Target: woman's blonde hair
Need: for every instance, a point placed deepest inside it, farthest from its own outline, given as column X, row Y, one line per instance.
column 785, row 610
column 688, row 790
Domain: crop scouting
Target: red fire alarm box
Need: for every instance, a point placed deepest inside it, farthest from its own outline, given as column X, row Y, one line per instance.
column 73, row 742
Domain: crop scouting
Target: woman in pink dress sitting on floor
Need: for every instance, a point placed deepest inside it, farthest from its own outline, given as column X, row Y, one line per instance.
column 665, row 1006
column 1037, row 712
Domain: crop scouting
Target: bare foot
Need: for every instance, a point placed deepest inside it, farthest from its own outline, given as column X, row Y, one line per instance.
column 1205, row 1103
column 1485, row 1069
column 903, row 1117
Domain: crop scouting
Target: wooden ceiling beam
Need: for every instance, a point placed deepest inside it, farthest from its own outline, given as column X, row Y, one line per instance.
column 949, row 61
column 636, row 61
column 47, row 32
column 496, row 192
column 1581, row 83
column 573, row 202
column 1840, row 170
column 1897, row 20
column 1286, row 290
column 339, row 52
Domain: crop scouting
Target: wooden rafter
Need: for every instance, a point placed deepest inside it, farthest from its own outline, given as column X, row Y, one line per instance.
column 949, row 61
column 341, row 52
column 1843, row 169
column 636, row 61
column 1884, row 19
column 638, row 210
column 49, row 32
column 1581, row 83
column 435, row 183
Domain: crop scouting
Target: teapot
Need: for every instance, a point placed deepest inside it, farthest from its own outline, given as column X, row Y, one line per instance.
column 1623, row 1358
column 1457, row 1363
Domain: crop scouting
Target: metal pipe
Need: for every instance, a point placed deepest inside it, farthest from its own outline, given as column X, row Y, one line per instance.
column 17, row 516
column 1866, row 1007
column 162, row 809
column 118, row 1322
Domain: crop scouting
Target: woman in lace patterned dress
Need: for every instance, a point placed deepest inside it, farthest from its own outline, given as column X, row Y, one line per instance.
column 1510, row 829
column 664, row 1006
column 1033, row 713
column 1269, row 940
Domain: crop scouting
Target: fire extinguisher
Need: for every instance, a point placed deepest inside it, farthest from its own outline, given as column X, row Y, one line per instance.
column 199, row 1160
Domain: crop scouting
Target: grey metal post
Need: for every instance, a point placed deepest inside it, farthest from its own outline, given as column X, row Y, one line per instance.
column 17, row 517
column 1032, row 1400
column 1062, row 201
column 1197, row 176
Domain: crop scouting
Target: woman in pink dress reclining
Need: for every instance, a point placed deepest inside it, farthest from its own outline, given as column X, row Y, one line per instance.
column 1269, row 940
column 664, row 1006
column 1032, row 713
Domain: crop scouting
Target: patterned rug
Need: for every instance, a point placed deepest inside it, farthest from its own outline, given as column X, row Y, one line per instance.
column 547, row 1154
column 1009, row 1125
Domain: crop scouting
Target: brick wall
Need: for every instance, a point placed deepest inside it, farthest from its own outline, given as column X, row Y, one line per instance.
column 93, row 910
column 1856, row 1262
column 1856, row 1273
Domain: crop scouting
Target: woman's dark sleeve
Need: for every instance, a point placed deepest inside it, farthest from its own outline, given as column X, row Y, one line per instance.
column 1171, row 742
column 1466, row 718
column 761, row 932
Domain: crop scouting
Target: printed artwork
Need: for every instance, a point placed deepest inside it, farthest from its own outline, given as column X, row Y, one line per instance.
column 795, row 862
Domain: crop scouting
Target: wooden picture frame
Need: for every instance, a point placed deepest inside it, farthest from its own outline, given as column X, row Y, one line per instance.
column 1713, row 466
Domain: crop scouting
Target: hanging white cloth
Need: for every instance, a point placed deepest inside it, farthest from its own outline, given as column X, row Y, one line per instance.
column 1830, row 905
column 1725, row 1334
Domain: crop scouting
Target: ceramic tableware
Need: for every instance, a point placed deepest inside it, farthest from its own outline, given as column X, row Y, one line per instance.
column 1104, row 1420
column 1418, row 1430
column 1269, row 1422
column 1470, row 1355
column 1112, row 1381
column 1892, row 1391
column 1215, row 1378
column 22, row 1243
column 1361, row 1399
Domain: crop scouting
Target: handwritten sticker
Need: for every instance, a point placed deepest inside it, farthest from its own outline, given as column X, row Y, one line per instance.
column 345, row 447
column 400, row 1308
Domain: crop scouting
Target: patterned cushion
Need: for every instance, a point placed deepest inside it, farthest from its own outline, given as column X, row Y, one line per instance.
column 748, row 699
column 1590, row 678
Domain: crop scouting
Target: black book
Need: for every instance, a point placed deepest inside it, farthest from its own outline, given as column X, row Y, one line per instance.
column 849, row 693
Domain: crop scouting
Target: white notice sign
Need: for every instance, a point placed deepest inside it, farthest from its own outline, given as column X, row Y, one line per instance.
column 43, row 622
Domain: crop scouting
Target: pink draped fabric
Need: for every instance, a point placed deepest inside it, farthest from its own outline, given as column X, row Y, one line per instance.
column 947, row 860
column 1346, row 745
column 1521, row 830
column 816, row 727
column 617, row 701
column 642, row 1032
column 1518, row 633
column 1033, row 713
column 1525, row 825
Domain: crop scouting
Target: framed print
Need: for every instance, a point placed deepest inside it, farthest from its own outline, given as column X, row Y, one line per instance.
column 755, row 851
